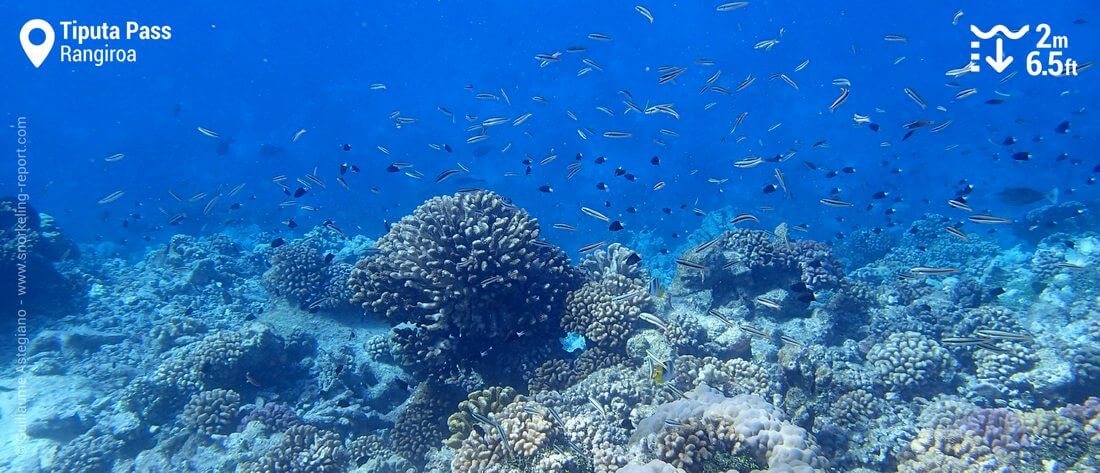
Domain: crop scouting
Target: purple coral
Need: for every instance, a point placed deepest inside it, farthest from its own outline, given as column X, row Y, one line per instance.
column 272, row 415
column 999, row 428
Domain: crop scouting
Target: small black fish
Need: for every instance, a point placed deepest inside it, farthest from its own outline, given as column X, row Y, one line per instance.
column 807, row 297
column 601, row 160
column 830, row 174
column 392, row 168
column 809, row 165
column 632, row 210
column 329, row 257
column 656, row 160
column 908, row 134
column 996, row 291
column 291, row 223
column 579, row 157
column 873, row 127
column 601, row 186
column 235, row 206
column 546, row 188
column 880, row 195
column 615, row 226
column 619, row 171
column 768, row 189
column 667, row 210
column 346, row 147
column 404, row 385
column 634, row 258
column 800, row 287
column 299, row 192
column 1021, row 156
column 1009, row 140
column 994, row 101
column 1023, row 196
column 1062, row 128
column 849, row 170
column 447, row 147
column 630, row 177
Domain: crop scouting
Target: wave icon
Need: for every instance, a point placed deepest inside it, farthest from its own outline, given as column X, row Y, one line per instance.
column 1002, row 29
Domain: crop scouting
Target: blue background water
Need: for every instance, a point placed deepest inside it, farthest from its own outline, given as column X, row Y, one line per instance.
column 258, row 72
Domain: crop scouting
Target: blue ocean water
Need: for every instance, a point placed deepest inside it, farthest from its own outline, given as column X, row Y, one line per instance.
column 894, row 317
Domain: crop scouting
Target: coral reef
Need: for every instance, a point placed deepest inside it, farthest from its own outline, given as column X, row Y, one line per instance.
column 688, row 433
column 769, row 358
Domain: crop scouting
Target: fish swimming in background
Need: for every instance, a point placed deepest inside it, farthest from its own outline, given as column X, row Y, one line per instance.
column 1026, row 196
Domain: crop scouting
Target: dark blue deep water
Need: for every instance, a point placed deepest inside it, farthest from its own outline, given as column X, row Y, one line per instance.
column 551, row 236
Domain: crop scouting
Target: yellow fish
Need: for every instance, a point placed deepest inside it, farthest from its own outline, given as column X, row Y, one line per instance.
column 658, row 374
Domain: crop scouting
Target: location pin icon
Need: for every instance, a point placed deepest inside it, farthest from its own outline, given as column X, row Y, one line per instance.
column 36, row 52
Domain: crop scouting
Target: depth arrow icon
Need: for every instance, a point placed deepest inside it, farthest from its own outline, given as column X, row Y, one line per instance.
column 1001, row 62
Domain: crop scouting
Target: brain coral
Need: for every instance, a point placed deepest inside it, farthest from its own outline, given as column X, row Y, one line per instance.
column 91, row 452
column 526, row 428
column 303, row 273
column 212, row 412
column 484, row 402
column 606, row 310
column 687, row 433
column 463, row 271
column 733, row 376
column 1087, row 414
column 908, row 361
column 304, row 448
column 422, row 424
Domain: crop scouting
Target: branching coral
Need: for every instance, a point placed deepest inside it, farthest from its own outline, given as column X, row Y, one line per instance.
column 463, row 272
